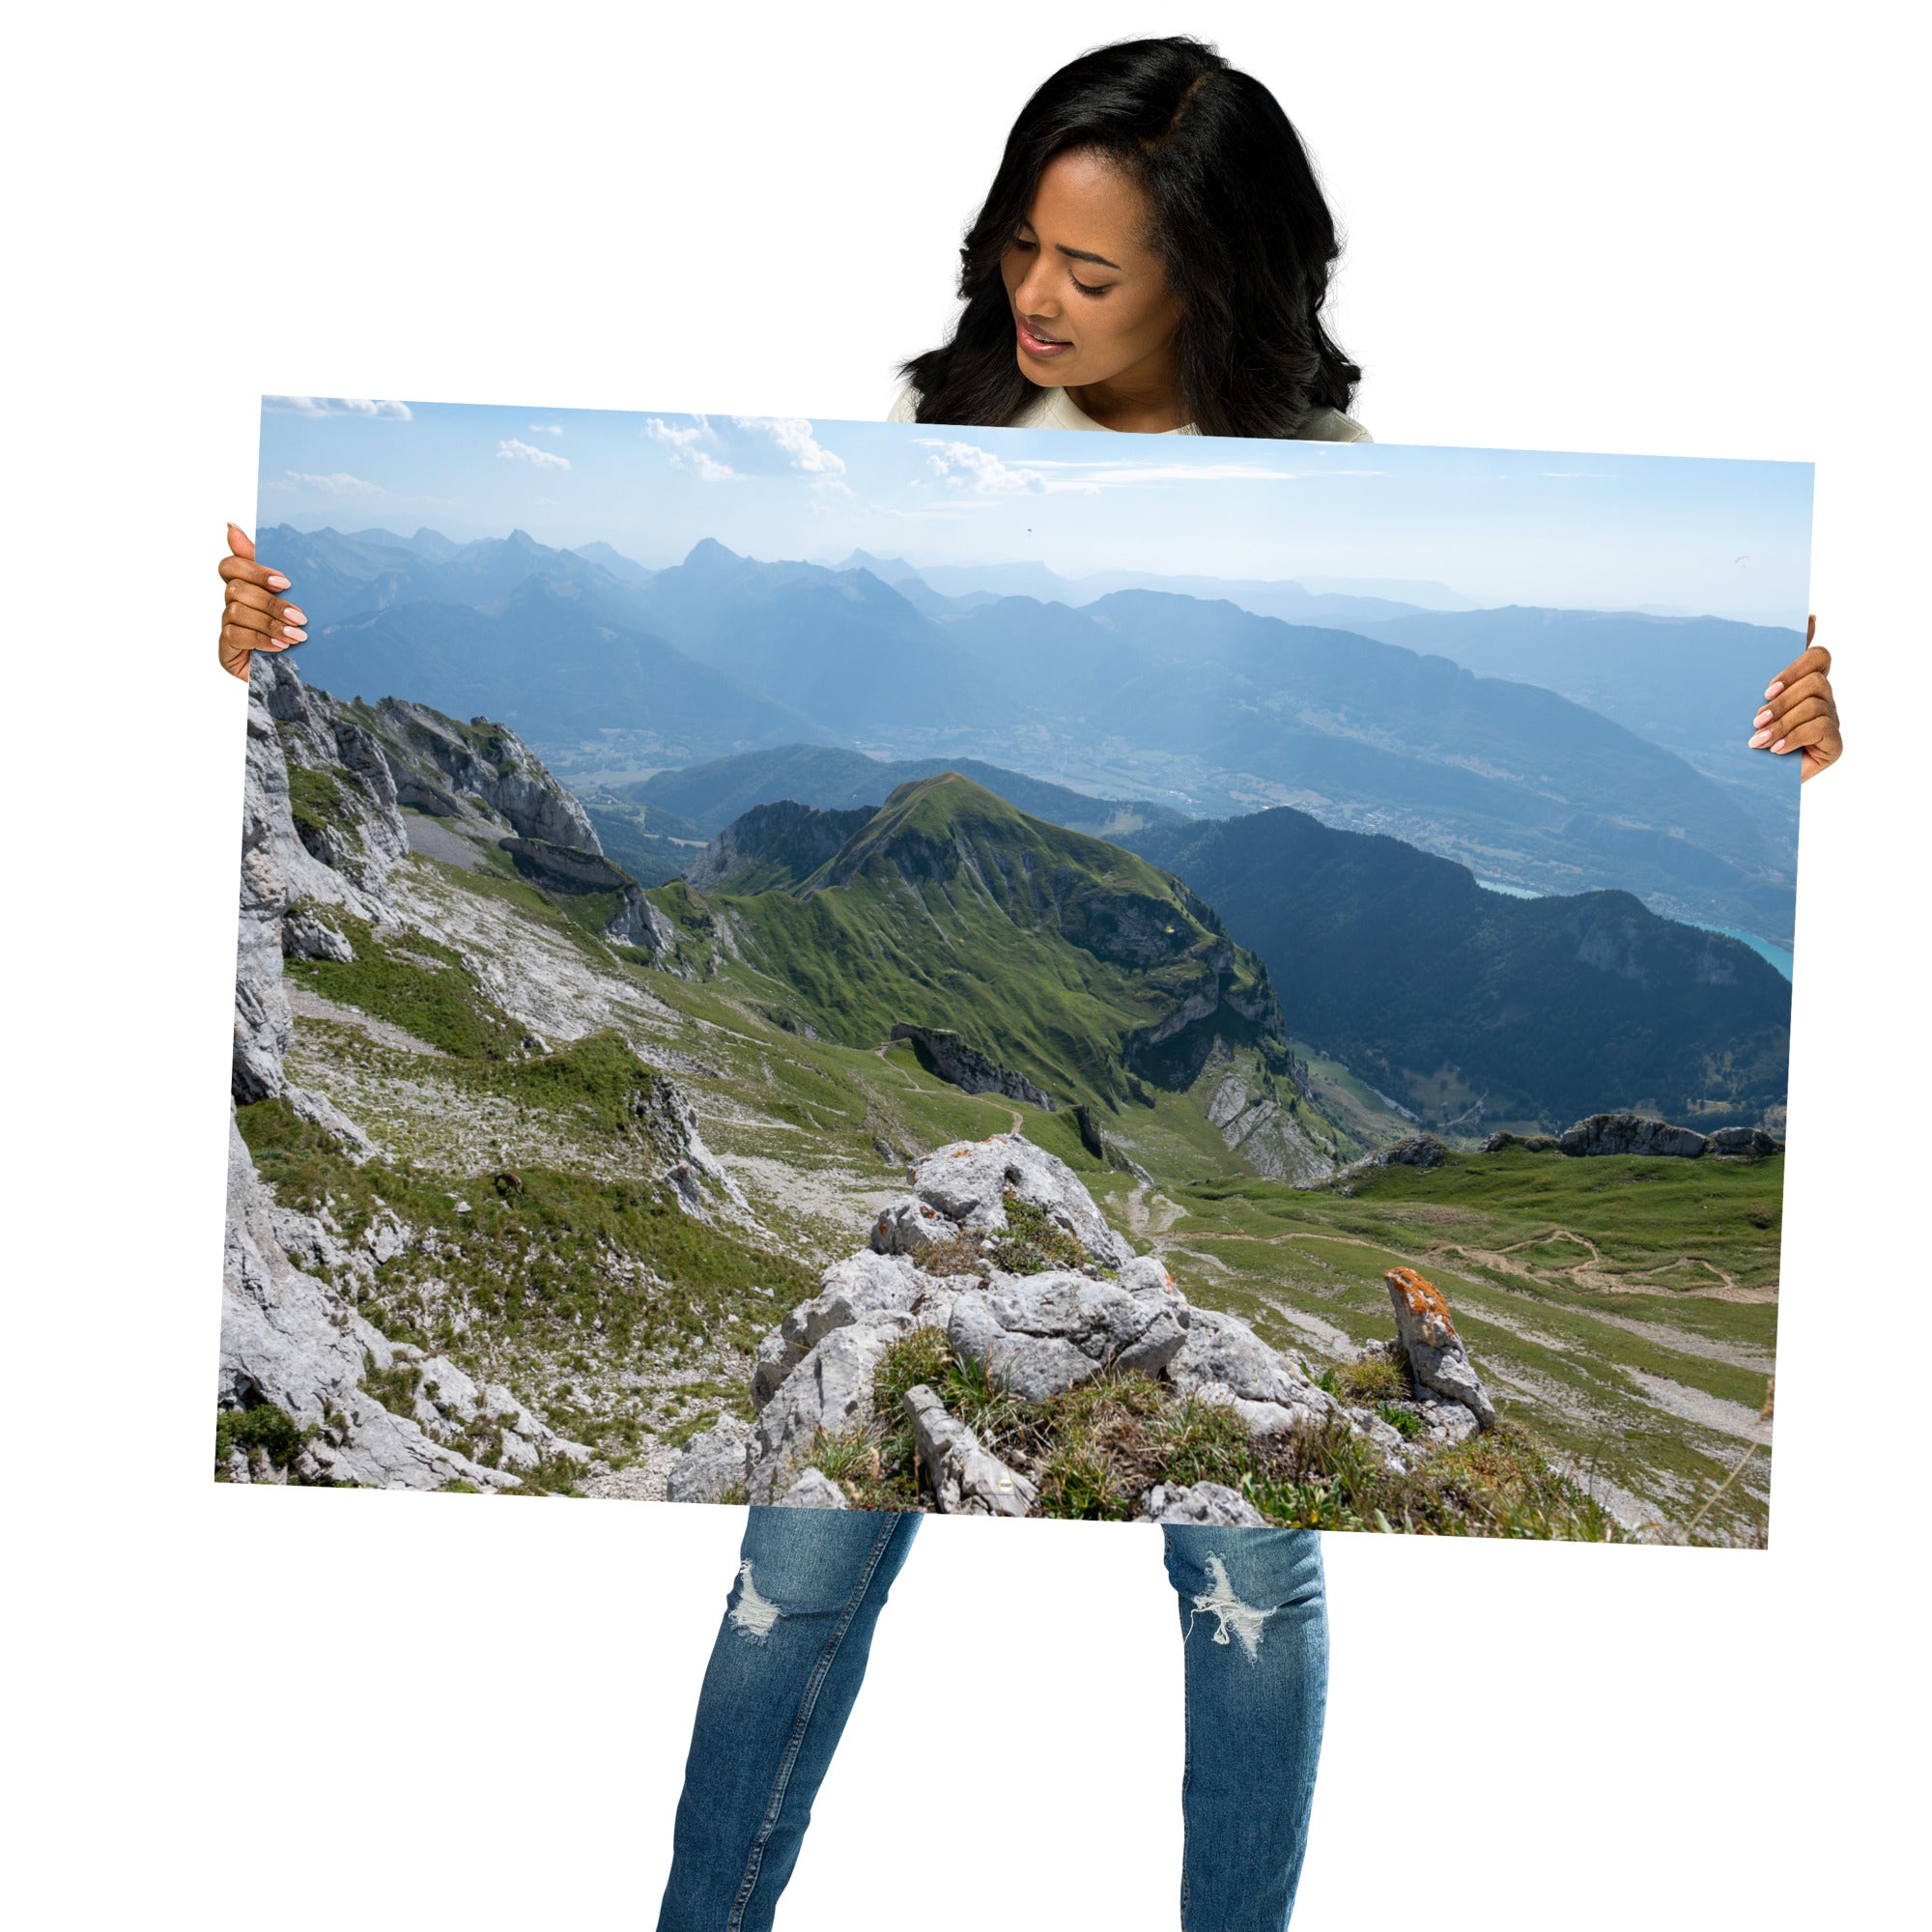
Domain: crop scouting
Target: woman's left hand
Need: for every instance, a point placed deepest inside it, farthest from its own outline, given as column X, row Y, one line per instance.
column 1800, row 714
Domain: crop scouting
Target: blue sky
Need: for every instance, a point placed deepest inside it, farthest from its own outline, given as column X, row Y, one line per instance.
column 1704, row 536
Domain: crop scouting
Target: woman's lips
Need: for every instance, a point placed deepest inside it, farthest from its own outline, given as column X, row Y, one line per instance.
column 1043, row 346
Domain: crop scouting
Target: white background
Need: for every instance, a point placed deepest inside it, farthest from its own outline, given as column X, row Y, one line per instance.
column 1686, row 228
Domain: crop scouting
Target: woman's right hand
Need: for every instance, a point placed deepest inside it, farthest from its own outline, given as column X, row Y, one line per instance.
column 253, row 616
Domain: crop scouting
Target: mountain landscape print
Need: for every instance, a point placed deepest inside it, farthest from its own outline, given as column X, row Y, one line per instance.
column 1014, row 973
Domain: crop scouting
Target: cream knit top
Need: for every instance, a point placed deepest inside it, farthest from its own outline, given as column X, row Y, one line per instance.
column 1055, row 408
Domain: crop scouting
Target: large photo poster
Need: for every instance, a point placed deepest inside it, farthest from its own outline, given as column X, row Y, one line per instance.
column 865, row 966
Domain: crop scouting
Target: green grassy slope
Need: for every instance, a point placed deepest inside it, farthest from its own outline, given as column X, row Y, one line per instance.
column 1056, row 954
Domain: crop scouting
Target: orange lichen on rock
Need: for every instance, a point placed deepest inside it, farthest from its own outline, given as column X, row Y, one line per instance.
column 1422, row 1298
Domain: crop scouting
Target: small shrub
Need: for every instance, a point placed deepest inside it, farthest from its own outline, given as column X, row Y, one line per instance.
column 1403, row 1421
column 1032, row 1241
column 394, row 1387
column 961, row 1256
column 923, row 1356
column 848, row 1456
column 1080, row 1481
column 1366, row 1384
column 275, row 1432
column 1202, row 1443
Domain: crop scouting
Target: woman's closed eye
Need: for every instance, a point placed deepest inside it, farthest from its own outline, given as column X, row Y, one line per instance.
column 1030, row 247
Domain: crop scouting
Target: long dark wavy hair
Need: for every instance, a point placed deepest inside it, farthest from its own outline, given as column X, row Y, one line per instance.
column 1242, row 232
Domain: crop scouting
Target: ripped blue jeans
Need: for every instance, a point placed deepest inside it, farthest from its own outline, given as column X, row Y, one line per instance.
column 791, row 1651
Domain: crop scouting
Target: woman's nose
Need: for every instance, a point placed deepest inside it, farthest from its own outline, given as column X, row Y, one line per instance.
column 1034, row 295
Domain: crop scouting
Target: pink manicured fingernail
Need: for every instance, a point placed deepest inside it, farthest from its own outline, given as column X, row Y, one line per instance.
column 1762, row 718
column 294, row 636
column 295, row 617
column 1772, row 690
column 1780, row 746
column 282, row 583
column 1762, row 738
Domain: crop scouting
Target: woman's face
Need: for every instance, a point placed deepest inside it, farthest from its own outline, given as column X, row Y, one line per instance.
column 1091, row 301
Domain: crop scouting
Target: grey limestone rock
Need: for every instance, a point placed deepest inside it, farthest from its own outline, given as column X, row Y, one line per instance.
column 1213, row 1503
column 1264, row 1419
column 712, row 1464
column 1437, row 1357
column 815, row 1489
column 639, row 922
column 831, row 1389
column 1222, row 1351
column 1445, row 1422
column 1044, row 1333
column 1423, row 1151
column 1631, row 1133
column 321, row 1112
column 289, row 1339
column 1745, row 1140
column 966, row 1479
column 946, row 1057
column 437, row 762
column 905, row 1226
column 969, row 1182
column 1033, row 1367
column 665, row 1111
column 304, row 936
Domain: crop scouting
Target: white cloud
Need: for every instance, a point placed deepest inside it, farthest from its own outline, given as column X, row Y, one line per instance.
column 685, row 452
column 336, row 406
column 513, row 451
column 965, row 466
column 659, row 431
column 340, row 484
column 548, row 428
column 793, row 435
column 969, row 467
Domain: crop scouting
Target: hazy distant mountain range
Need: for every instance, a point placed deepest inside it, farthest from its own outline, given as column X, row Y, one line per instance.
column 1188, row 700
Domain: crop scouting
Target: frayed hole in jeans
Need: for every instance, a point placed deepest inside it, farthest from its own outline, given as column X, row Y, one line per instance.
column 753, row 1616
column 1233, row 1616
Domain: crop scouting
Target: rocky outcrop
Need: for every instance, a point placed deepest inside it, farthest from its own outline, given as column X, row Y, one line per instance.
column 323, row 832
column 772, row 847
column 665, row 1112
column 319, row 829
column 969, row 1182
column 639, row 922
column 1257, row 1123
column 291, row 1337
column 714, row 1464
column 1222, row 1359
column 1038, row 1335
column 1174, row 1052
column 440, row 766
column 1437, row 1357
column 828, row 1393
column 946, row 1057
column 1631, row 1133
column 1423, row 1151
column 1499, row 1141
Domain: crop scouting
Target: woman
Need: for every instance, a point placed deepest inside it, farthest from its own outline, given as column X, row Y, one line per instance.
column 1153, row 256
